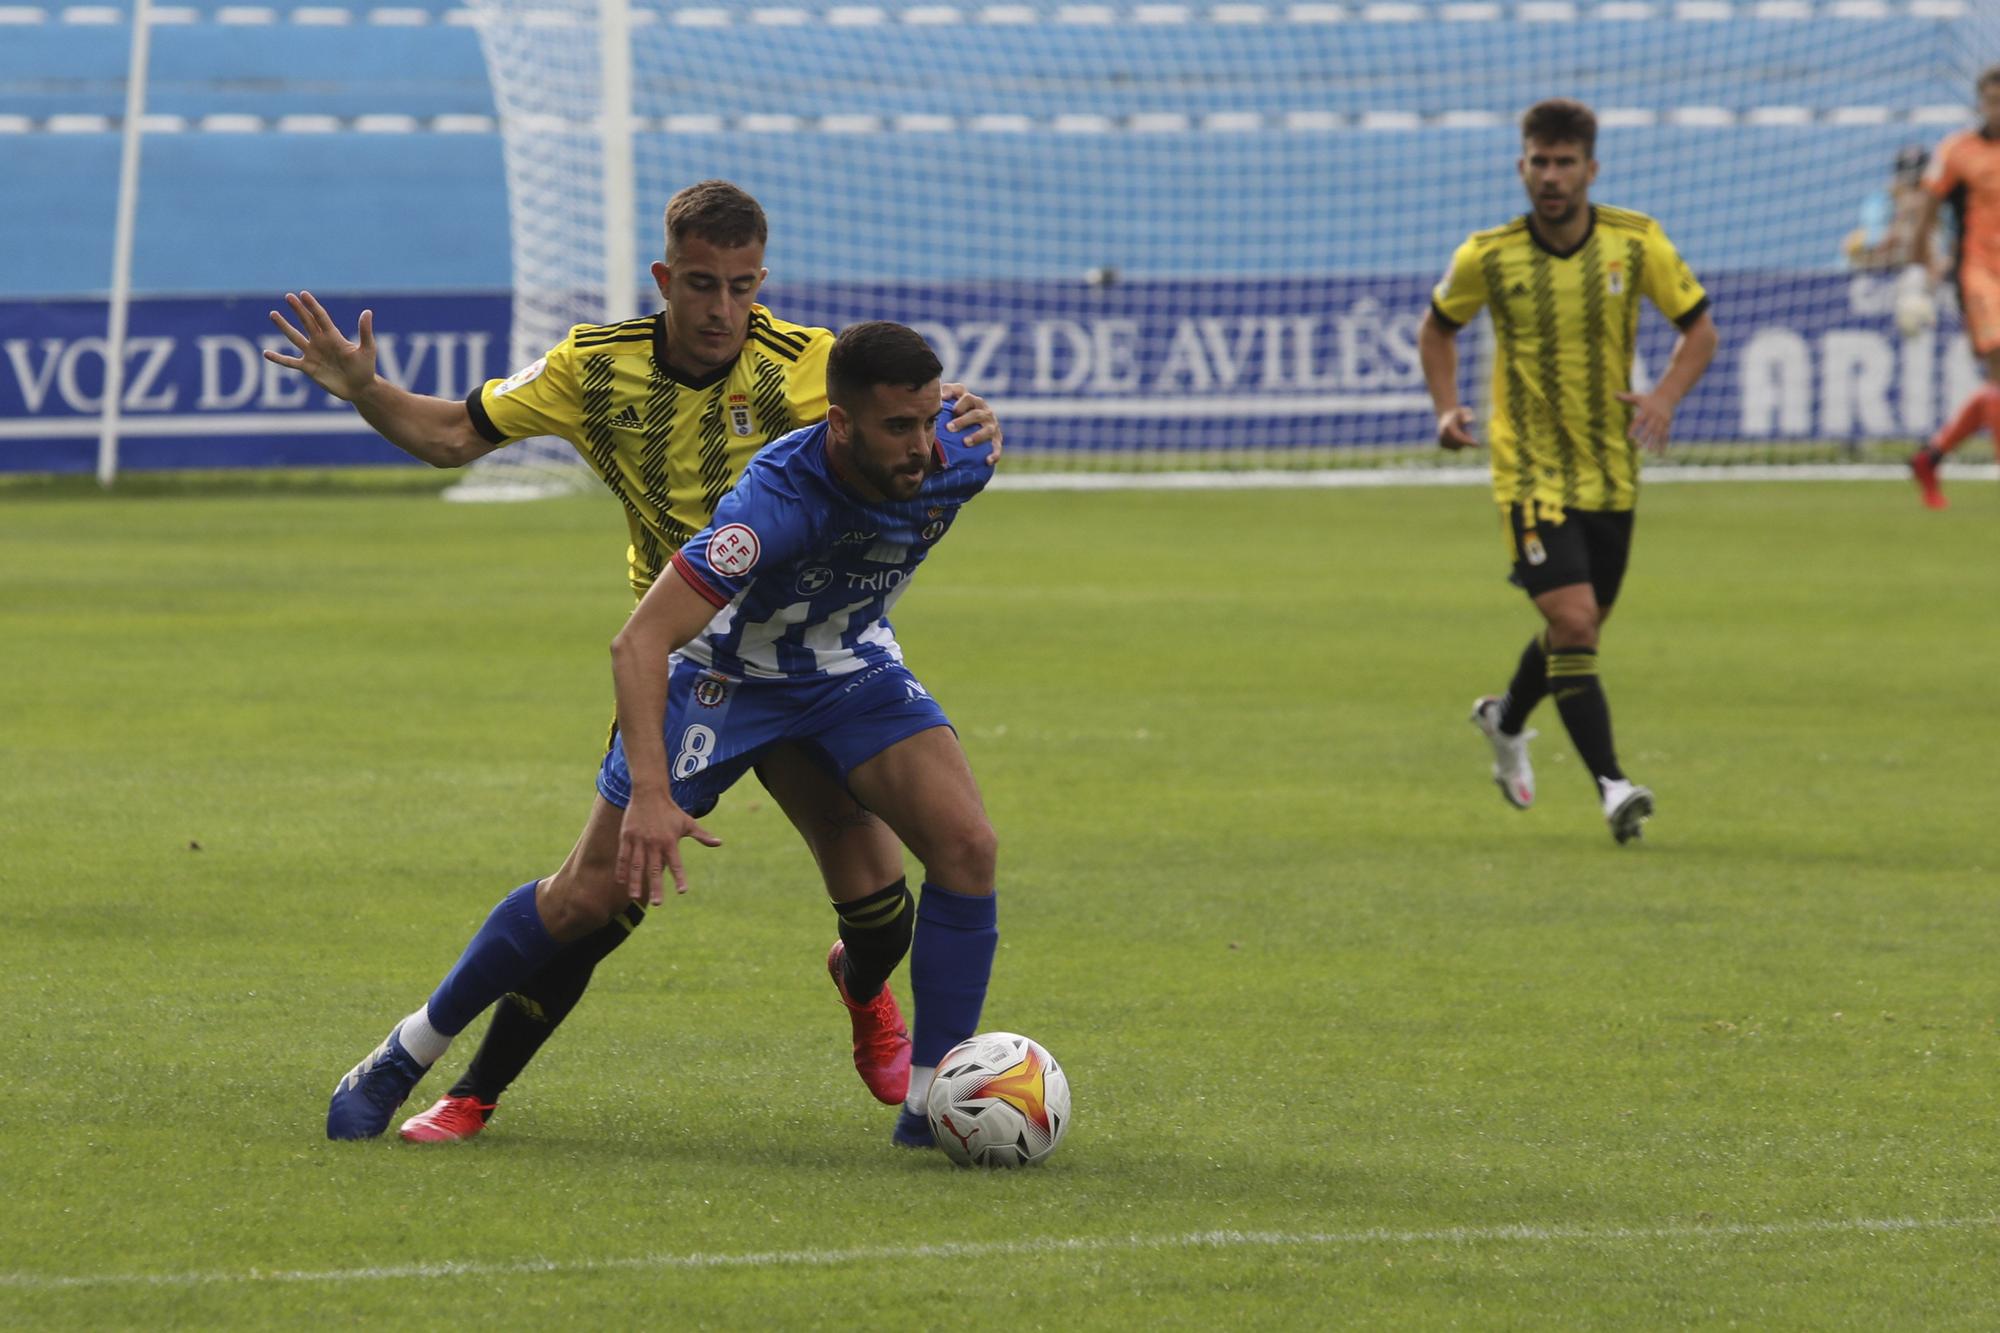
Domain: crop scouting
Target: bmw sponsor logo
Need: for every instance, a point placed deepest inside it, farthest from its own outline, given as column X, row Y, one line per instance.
column 813, row 578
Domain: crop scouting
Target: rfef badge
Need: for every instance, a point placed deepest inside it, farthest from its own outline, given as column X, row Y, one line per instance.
column 739, row 413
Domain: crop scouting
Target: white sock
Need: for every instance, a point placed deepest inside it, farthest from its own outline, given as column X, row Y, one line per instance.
column 920, row 1088
column 424, row 1042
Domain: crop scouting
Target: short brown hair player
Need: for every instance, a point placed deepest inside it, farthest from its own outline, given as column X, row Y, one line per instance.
column 1563, row 283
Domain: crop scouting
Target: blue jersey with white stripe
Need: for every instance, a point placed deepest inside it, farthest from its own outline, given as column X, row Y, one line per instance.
column 803, row 571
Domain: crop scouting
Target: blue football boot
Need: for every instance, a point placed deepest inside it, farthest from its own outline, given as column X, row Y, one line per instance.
column 913, row 1130
column 364, row 1101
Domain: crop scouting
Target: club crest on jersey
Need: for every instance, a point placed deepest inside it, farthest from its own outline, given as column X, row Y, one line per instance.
column 710, row 691
column 813, row 578
column 524, row 375
column 739, row 414
column 1614, row 277
column 733, row 549
column 934, row 529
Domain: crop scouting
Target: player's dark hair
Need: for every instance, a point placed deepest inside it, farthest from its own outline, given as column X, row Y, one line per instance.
column 717, row 212
column 1987, row 78
column 878, row 352
column 1561, row 120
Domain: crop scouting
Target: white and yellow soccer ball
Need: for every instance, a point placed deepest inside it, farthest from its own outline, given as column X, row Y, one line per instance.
column 999, row 1099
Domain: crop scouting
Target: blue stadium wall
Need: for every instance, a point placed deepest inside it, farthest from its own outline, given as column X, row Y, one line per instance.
column 376, row 179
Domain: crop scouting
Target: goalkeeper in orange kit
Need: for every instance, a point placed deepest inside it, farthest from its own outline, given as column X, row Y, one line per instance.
column 1964, row 175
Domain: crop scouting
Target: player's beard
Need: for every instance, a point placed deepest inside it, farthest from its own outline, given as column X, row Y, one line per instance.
column 1568, row 205
column 895, row 483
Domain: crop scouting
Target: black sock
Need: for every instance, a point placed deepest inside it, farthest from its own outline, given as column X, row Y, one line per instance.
column 876, row 931
column 525, row 1019
column 1530, row 683
column 1585, row 714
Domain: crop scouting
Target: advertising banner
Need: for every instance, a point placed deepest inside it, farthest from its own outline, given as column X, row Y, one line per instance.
column 1124, row 365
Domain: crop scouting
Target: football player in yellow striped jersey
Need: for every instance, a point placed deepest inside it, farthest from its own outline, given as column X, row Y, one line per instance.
column 1563, row 284
column 667, row 410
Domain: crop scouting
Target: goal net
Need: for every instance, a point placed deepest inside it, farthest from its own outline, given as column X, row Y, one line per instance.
column 1203, row 235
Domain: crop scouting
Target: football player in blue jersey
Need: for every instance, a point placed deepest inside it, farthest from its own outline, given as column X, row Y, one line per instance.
column 771, row 628
column 709, row 379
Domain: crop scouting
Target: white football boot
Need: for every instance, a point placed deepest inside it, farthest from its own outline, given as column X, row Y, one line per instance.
column 1626, row 807
column 1512, row 773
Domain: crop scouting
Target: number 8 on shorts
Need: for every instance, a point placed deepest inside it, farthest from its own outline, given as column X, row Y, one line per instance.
column 697, row 746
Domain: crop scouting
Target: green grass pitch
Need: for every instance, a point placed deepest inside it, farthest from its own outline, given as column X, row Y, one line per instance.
column 1352, row 1043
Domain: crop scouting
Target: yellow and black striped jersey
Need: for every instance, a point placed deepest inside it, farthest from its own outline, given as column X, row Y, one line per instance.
column 668, row 447
column 1565, row 326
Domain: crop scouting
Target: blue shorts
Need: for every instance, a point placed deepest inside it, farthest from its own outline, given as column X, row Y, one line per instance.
column 717, row 728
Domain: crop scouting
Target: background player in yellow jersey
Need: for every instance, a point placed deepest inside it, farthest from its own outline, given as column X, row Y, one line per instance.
column 1964, row 175
column 667, row 410
column 1563, row 284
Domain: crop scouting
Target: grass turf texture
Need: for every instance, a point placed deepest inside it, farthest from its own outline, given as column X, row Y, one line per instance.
column 266, row 758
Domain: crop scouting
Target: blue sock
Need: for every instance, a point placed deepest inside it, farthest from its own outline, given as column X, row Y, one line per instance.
column 505, row 952
column 951, row 960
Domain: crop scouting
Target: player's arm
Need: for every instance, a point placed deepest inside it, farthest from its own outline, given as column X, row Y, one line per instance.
column 668, row 617
column 1459, row 296
column 1925, row 225
column 1653, row 413
column 1675, row 292
column 1437, row 350
column 1941, row 177
column 1916, row 308
column 435, row 430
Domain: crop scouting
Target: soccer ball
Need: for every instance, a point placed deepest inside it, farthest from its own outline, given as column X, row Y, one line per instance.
column 999, row 1099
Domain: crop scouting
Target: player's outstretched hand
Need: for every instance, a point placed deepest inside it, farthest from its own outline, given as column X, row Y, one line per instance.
column 1652, row 420
column 344, row 369
column 649, row 841
column 974, row 411
column 1455, row 429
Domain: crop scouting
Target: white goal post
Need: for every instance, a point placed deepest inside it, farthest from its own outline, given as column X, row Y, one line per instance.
column 119, row 303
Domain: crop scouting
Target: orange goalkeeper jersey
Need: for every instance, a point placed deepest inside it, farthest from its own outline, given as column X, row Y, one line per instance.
column 1965, row 173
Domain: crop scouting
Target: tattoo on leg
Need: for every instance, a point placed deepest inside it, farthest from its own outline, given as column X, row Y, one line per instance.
column 856, row 818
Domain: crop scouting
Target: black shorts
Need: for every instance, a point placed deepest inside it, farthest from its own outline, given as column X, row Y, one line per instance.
column 1583, row 546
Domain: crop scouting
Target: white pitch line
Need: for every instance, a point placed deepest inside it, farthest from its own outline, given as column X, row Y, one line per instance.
column 1363, row 478
column 1192, row 1240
